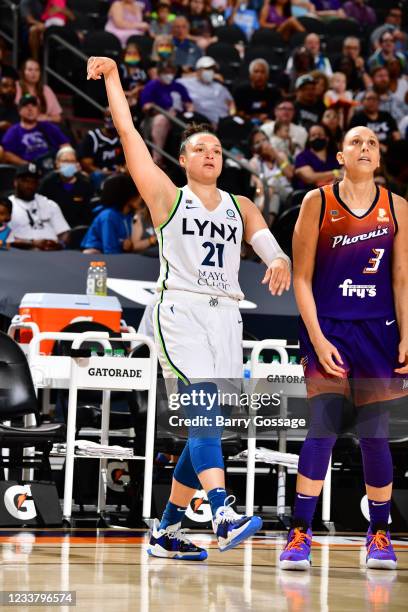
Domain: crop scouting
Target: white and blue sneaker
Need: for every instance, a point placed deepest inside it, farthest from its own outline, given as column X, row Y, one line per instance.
column 171, row 543
column 232, row 528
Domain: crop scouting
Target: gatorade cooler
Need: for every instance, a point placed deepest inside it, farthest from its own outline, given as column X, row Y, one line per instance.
column 54, row 311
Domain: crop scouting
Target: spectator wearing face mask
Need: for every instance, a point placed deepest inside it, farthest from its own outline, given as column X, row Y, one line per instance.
column 171, row 96
column 317, row 164
column 210, row 98
column 100, row 153
column 133, row 73
column 70, row 188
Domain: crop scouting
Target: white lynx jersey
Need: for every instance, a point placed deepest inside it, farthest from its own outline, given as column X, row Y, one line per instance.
column 200, row 250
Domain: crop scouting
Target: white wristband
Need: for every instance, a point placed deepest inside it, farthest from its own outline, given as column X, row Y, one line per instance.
column 267, row 248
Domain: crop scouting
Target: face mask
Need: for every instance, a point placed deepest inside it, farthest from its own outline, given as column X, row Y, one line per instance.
column 167, row 78
column 207, row 76
column 164, row 52
column 132, row 59
column 318, row 144
column 68, row 169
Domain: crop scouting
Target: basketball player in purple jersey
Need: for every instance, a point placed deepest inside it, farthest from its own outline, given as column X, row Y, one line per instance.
column 350, row 249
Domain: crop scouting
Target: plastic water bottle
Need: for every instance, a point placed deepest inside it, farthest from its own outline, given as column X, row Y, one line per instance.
column 119, row 353
column 96, row 282
column 276, row 359
column 292, row 360
column 247, row 368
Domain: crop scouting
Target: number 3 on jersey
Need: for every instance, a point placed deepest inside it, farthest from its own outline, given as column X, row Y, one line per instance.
column 374, row 261
column 209, row 258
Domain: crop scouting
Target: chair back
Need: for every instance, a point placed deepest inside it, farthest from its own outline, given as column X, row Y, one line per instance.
column 17, row 394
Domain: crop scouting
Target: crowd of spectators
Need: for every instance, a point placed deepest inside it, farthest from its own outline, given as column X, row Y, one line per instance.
column 280, row 81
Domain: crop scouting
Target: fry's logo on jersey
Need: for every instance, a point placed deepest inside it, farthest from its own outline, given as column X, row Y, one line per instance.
column 348, row 289
column 209, row 229
column 344, row 240
column 382, row 216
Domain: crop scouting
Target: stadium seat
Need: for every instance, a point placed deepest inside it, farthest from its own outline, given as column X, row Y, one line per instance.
column 224, row 53
column 297, row 39
column 276, row 60
column 264, row 37
column 230, row 34
column 76, row 236
column 347, row 27
column 7, row 172
column 102, row 43
column 17, row 399
column 284, row 226
column 334, row 44
column 313, row 25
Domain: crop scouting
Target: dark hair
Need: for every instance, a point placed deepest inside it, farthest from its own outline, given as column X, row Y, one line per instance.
column 376, row 69
column 298, row 55
column 278, row 125
column 168, row 65
column 287, row 9
column 117, row 190
column 7, row 203
column 39, row 87
column 194, row 128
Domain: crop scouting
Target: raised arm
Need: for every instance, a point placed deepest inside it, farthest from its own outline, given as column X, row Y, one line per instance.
column 155, row 187
column 305, row 239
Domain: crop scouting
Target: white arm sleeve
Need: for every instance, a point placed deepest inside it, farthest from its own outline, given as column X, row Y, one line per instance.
column 266, row 247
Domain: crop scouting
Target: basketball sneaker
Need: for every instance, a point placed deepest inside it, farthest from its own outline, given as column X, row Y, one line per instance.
column 171, row 543
column 232, row 528
column 297, row 553
column 380, row 553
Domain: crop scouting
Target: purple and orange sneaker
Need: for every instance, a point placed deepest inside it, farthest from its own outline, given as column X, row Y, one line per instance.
column 380, row 553
column 297, row 552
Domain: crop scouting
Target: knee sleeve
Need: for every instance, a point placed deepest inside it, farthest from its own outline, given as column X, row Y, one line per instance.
column 314, row 457
column 206, row 453
column 377, row 461
column 184, row 471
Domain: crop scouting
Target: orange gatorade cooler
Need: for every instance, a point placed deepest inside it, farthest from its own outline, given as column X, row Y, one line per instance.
column 54, row 311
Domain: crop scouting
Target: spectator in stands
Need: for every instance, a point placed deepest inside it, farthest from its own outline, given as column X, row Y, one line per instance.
column 398, row 81
column 169, row 95
column 339, row 97
column 133, row 73
column 332, row 119
column 277, row 170
column 321, row 62
column 200, row 24
column 317, row 164
column 36, row 221
column 125, row 19
column 163, row 49
column 285, row 113
column 321, row 84
column 111, row 230
column 8, row 108
column 360, row 12
column 56, row 13
column 281, row 140
column 100, row 153
column 162, row 23
column 31, row 83
column 210, row 98
column 187, row 51
column 31, row 139
column 5, row 69
column 386, row 52
column 380, row 122
column 6, row 234
column 352, row 64
column 69, row 187
column 392, row 23
column 277, row 15
column 31, row 11
column 301, row 62
column 242, row 14
column 144, row 239
column 308, row 110
column 388, row 100
column 256, row 99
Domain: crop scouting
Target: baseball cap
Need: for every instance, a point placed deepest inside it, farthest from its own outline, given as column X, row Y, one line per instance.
column 205, row 62
column 27, row 99
column 305, row 79
column 28, row 170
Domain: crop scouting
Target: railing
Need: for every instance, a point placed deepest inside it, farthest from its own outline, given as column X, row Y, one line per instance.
column 244, row 165
column 12, row 37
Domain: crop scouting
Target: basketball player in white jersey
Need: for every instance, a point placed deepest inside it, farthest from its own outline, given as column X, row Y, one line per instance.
column 198, row 326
